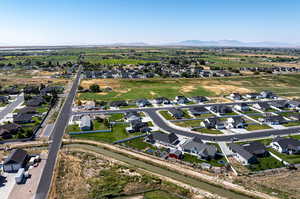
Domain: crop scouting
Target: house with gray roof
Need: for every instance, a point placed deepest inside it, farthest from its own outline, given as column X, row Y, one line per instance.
column 274, row 119
column 198, row 148
column 242, row 155
column 235, row 122
column 16, row 160
column 85, row 123
column 176, row 113
column 286, row 145
column 198, row 110
column 143, row 103
column 213, row 122
column 165, row 139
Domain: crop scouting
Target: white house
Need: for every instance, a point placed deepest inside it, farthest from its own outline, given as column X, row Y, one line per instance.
column 85, row 123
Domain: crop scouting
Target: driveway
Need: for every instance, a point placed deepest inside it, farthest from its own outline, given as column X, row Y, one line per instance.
column 12, row 106
column 7, row 183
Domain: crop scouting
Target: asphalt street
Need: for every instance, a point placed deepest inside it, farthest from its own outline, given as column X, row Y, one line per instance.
column 152, row 112
column 56, row 140
column 19, row 100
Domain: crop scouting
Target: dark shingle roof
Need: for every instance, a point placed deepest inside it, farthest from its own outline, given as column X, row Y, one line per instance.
column 163, row 137
column 240, row 150
column 17, row 156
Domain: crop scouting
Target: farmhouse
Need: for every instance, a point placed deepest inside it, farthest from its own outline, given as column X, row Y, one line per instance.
column 286, row 145
column 16, row 160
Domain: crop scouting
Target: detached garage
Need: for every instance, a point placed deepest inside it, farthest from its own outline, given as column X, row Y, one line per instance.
column 15, row 160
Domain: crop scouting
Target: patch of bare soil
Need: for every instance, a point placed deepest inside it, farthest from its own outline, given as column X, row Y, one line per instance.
column 285, row 184
column 187, row 88
column 32, row 81
column 103, row 83
column 226, row 89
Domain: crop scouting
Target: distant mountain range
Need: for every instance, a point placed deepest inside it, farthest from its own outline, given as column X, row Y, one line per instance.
column 234, row 43
column 221, row 43
column 196, row 43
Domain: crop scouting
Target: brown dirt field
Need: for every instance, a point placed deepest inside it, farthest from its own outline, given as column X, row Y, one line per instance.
column 112, row 83
column 286, row 182
column 297, row 65
column 226, row 89
column 187, row 88
column 34, row 81
column 230, row 58
column 265, row 55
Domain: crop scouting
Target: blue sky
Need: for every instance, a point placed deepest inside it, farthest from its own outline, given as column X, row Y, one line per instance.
column 152, row 21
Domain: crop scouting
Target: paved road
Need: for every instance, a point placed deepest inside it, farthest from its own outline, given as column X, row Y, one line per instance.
column 168, row 107
column 152, row 112
column 56, row 139
column 10, row 108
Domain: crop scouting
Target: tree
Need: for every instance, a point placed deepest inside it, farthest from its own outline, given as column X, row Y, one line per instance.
column 95, row 88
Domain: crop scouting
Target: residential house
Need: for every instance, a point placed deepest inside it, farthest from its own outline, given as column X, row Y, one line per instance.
column 162, row 100
column 199, row 99
column 176, row 113
column 242, row 155
column 23, row 118
column 253, row 96
column 241, row 107
column 143, row 103
column 256, row 148
column 213, row 122
column 295, row 116
column 198, row 110
column 168, row 140
column 235, row 122
column 85, row 123
column 175, row 153
column 268, row 94
column 262, row 106
column 221, row 109
column 181, row 100
column 294, row 104
column 235, row 96
column 274, row 120
column 4, row 99
column 118, row 103
column 7, row 130
column 279, row 104
column 138, row 126
column 35, row 101
column 27, row 110
column 132, row 116
column 17, row 159
column 286, row 145
column 196, row 147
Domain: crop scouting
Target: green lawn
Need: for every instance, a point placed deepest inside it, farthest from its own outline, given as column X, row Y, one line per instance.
column 159, row 195
column 205, row 115
column 118, row 133
column 292, row 159
column 254, row 127
column 42, row 109
column 138, row 144
column 116, row 117
column 166, row 115
column 186, row 114
column 194, row 160
column 189, row 123
column 266, row 163
column 149, row 89
column 295, row 123
column 208, row 131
